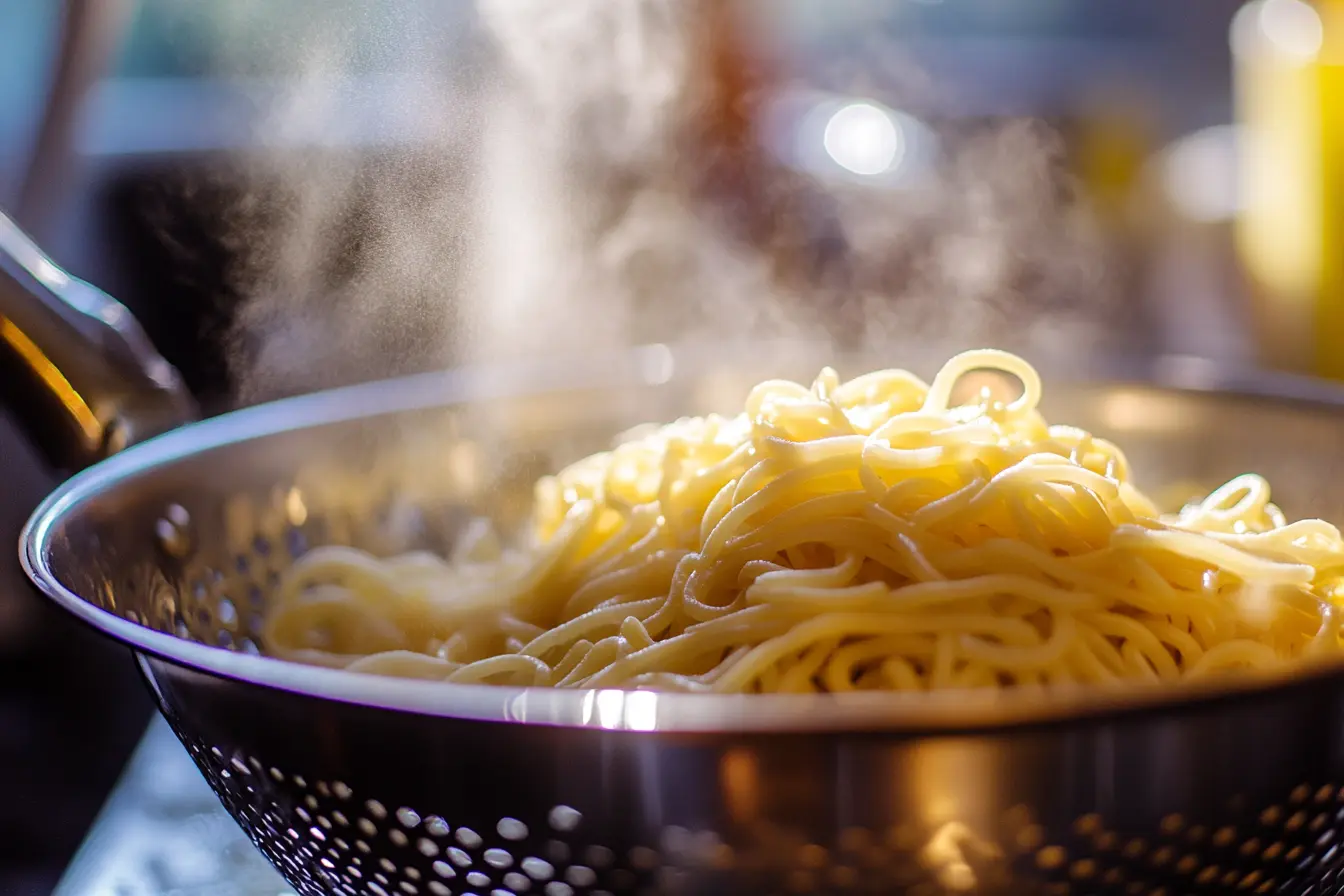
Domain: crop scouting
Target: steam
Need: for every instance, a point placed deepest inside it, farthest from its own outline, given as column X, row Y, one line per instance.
column 993, row 249
column 351, row 251
column 568, row 199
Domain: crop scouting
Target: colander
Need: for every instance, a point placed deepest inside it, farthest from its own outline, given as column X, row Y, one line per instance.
column 355, row 784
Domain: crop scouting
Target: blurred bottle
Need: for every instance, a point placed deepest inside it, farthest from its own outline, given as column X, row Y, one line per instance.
column 1289, row 82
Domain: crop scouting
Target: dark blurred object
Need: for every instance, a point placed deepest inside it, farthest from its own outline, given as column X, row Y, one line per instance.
column 71, row 705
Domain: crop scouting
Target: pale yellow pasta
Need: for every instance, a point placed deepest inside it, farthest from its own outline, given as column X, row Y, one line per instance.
column 863, row 535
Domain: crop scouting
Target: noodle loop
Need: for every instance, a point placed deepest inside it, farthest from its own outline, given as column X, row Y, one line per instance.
column 858, row 535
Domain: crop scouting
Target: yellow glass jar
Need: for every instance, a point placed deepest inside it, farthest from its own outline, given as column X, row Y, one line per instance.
column 1289, row 84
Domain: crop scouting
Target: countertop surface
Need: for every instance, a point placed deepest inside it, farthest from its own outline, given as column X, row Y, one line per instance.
column 162, row 832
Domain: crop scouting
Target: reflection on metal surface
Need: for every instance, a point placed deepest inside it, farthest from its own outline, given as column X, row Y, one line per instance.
column 1187, row 372
column 740, row 780
column 42, row 367
column 951, row 851
column 463, row 464
column 954, row 781
column 627, row 710
column 326, row 833
column 295, row 509
column 81, row 370
column 1125, row 412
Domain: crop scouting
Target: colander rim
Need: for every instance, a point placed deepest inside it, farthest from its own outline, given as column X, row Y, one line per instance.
column 942, row 711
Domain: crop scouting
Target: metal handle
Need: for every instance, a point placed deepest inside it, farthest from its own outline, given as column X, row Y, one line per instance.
column 74, row 362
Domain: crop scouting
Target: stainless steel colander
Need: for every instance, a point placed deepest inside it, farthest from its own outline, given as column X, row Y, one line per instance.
column 357, row 784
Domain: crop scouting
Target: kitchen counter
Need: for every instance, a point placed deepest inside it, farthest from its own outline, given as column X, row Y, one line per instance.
column 162, row 832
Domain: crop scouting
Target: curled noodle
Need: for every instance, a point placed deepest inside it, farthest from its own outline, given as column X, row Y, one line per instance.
column 868, row 534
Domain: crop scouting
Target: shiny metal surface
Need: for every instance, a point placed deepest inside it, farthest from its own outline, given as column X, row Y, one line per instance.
column 75, row 364
column 358, row 784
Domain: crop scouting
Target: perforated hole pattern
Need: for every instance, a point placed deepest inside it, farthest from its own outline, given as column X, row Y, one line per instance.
column 327, row 836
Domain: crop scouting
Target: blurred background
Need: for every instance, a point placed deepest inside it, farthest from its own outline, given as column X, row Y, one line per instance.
column 297, row 193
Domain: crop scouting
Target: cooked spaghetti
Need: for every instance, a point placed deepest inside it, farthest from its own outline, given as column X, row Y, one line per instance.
column 870, row 534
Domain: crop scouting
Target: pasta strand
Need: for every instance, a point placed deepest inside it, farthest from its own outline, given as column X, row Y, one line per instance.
column 869, row 534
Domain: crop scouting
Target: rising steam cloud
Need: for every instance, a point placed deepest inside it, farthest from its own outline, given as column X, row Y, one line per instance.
column 567, row 200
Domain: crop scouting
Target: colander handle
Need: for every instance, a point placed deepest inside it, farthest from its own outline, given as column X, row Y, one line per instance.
column 75, row 364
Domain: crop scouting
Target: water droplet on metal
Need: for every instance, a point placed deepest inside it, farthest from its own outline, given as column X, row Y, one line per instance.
column 173, row 531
